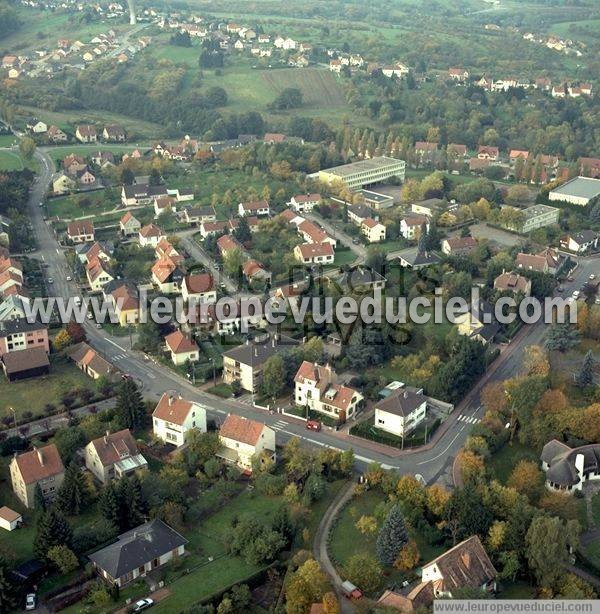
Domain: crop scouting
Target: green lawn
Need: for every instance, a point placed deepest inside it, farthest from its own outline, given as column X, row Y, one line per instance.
column 78, row 205
column 503, row 462
column 59, row 152
column 10, row 161
column 7, row 140
column 344, row 256
column 32, row 394
column 596, row 509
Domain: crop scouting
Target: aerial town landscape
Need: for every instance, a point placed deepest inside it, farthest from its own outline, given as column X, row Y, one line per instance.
column 299, row 305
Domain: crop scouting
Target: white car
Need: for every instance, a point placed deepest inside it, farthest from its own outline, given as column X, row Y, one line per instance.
column 592, row 277
column 69, row 278
column 576, row 294
column 90, row 316
column 30, row 601
column 142, row 604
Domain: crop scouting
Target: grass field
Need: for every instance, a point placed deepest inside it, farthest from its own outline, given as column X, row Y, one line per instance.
column 59, row 152
column 8, row 140
column 503, row 462
column 24, row 396
column 69, row 207
column 11, row 161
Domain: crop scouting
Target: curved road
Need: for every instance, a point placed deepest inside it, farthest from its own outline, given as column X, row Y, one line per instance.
column 434, row 463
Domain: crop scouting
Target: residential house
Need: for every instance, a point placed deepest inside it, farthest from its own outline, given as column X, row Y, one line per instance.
column 164, row 204
column 90, row 362
column 260, row 207
column 141, row 194
column 103, row 159
column 515, row 283
column 361, row 279
column 114, row 133
column 227, row 244
column 312, row 233
column 129, row 225
column 124, row 297
column 85, row 177
column 86, row 133
column 457, row 150
column 36, row 126
column 244, row 439
column 458, row 74
column 114, row 456
column 373, row 230
column 580, row 242
column 181, row 348
column 316, row 387
column 255, row 271
column 73, row 163
column 314, row 253
column 459, row 246
column 174, row 417
column 358, row 213
column 167, row 276
column 138, row 552
column 487, row 152
column 20, row 334
column 531, row 262
column 165, row 249
column 86, row 252
column 56, row 135
column 199, row 288
column 63, row 184
column 477, row 322
column 198, row 215
column 568, row 469
column 245, row 362
column 41, row 467
column 150, row 235
column 425, row 150
column 274, row 138
column 80, row 231
column 98, row 274
column 410, row 225
column 466, row 565
column 401, row 412
column 517, row 154
column 305, row 202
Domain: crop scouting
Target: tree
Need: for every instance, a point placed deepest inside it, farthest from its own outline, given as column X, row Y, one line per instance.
column 130, row 408
column 561, row 337
column 62, row 340
column 27, row 147
column 376, row 258
column 367, row 525
column 233, row 261
column 364, row 571
column 585, row 377
column 535, row 361
column 73, row 494
column 8, row 597
column 308, row 585
column 408, row 557
column 527, row 479
column 52, row 530
column 288, row 98
column 108, row 503
column 75, row 331
column 331, row 605
column 547, row 543
column 68, row 440
column 132, row 500
column 392, row 537
column 273, row 378
column 517, row 194
column 63, row 557
column 39, row 501
column 149, row 338
column 242, row 232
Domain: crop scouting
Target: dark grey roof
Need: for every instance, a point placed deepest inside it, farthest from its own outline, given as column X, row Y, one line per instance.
column 256, row 353
column 585, row 236
column 137, row 547
column 361, row 211
column 20, row 325
column 489, row 331
column 562, row 470
column 360, row 276
column 112, row 285
column 144, row 190
column 417, row 258
column 200, row 211
column 401, row 402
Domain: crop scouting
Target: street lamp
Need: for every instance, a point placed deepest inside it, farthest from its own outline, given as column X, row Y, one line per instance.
column 14, row 413
column 214, row 369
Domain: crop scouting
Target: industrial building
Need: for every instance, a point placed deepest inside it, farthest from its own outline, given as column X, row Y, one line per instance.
column 578, row 191
column 356, row 175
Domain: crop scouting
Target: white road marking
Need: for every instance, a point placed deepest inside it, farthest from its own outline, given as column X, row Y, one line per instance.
column 116, row 345
column 58, row 251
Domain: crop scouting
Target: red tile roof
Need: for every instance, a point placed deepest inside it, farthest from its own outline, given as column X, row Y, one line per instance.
column 197, row 283
column 178, row 343
column 241, row 429
column 172, row 409
column 39, row 464
column 112, row 447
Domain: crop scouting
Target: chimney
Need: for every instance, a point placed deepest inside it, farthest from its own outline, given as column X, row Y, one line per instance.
column 406, row 394
column 106, row 437
column 39, row 455
column 170, row 400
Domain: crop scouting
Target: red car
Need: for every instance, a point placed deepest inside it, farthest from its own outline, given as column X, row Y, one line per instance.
column 313, row 425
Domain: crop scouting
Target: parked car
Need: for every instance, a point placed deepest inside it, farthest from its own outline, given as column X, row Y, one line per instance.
column 69, row 278
column 50, row 280
column 350, row 591
column 313, row 425
column 30, row 601
column 142, row 604
column 576, row 294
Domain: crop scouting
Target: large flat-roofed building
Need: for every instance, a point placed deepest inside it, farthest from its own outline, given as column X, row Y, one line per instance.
column 539, row 216
column 578, row 191
column 376, row 200
column 366, row 172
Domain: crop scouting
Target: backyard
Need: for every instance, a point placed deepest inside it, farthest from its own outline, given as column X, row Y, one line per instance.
column 49, row 389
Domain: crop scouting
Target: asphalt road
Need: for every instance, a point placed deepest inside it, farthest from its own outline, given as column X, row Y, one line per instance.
column 433, row 465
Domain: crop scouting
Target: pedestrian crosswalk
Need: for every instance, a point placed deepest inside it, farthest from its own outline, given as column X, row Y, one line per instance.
column 118, row 356
column 468, row 419
column 279, row 425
